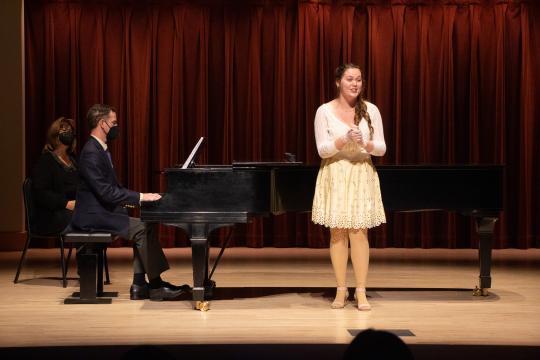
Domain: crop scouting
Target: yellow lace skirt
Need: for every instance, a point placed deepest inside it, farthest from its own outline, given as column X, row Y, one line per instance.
column 348, row 195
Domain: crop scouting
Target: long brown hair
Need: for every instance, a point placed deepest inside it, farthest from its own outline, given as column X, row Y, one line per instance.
column 54, row 130
column 360, row 109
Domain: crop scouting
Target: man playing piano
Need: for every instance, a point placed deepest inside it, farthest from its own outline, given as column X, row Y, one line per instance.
column 101, row 206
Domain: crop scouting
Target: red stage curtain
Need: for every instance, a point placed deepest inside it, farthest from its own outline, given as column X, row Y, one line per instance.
column 455, row 82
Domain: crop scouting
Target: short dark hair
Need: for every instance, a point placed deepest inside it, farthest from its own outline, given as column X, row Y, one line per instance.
column 98, row 112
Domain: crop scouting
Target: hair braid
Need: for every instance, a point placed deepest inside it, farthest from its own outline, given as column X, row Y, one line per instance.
column 360, row 111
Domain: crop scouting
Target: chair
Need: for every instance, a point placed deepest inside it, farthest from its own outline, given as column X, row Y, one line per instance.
column 29, row 207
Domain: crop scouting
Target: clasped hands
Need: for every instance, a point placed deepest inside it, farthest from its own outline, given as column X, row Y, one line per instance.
column 355, row 135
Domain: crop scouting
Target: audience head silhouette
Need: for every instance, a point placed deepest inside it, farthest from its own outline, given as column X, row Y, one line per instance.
column 377, row 344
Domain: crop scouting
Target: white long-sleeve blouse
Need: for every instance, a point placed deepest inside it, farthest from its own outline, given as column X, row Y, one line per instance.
column 328, row 127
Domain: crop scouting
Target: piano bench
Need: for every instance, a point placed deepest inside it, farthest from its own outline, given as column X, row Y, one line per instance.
column 90, row 253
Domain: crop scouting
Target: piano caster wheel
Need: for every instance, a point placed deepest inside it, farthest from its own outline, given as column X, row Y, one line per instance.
column 480, row 291
column 202, row 305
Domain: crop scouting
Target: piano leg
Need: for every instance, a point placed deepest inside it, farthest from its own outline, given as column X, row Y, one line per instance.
column 202, row 286
column 199, row 250
column 484, row 228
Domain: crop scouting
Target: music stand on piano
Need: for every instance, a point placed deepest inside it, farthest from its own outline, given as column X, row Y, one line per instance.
column 190, row 161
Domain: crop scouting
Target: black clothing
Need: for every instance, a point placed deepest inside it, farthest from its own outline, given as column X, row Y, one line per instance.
column 100, row 197
column 53, row 185
column 100, row 207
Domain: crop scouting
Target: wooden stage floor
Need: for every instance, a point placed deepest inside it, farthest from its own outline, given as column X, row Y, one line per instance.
column 280, row 298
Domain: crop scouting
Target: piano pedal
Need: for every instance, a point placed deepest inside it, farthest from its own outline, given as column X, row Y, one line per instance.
column 202, row 305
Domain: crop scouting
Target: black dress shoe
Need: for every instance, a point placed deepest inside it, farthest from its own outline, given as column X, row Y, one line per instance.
column 165, row 293
column 138, row 292
column 185, row 287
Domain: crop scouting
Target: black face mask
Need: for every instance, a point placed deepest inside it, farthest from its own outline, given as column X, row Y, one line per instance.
column 113, row 133
column 66, row 138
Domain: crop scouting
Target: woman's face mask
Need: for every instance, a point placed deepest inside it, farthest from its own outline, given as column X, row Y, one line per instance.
column 66, row 137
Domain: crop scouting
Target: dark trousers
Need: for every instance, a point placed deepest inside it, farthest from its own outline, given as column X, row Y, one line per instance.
column 148, row 256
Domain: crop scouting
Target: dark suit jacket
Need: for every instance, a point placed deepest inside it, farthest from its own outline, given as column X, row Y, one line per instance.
column 53, row 184
column 100, row 198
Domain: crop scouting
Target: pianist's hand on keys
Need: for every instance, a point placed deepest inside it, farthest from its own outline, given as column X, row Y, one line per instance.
column 150, row 197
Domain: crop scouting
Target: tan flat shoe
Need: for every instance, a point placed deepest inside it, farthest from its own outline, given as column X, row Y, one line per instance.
column 340, row 302
column 361, row 299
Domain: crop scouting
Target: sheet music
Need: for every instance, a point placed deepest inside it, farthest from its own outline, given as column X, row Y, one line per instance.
column 193, row 153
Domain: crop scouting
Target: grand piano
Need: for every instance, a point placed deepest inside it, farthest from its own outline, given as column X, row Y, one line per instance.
column 201, row 199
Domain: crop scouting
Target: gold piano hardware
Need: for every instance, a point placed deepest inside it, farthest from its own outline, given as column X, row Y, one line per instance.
column 480, row 291
column 202, row 305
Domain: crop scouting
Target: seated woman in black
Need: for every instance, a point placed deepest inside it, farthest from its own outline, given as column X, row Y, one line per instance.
column 55, row 179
